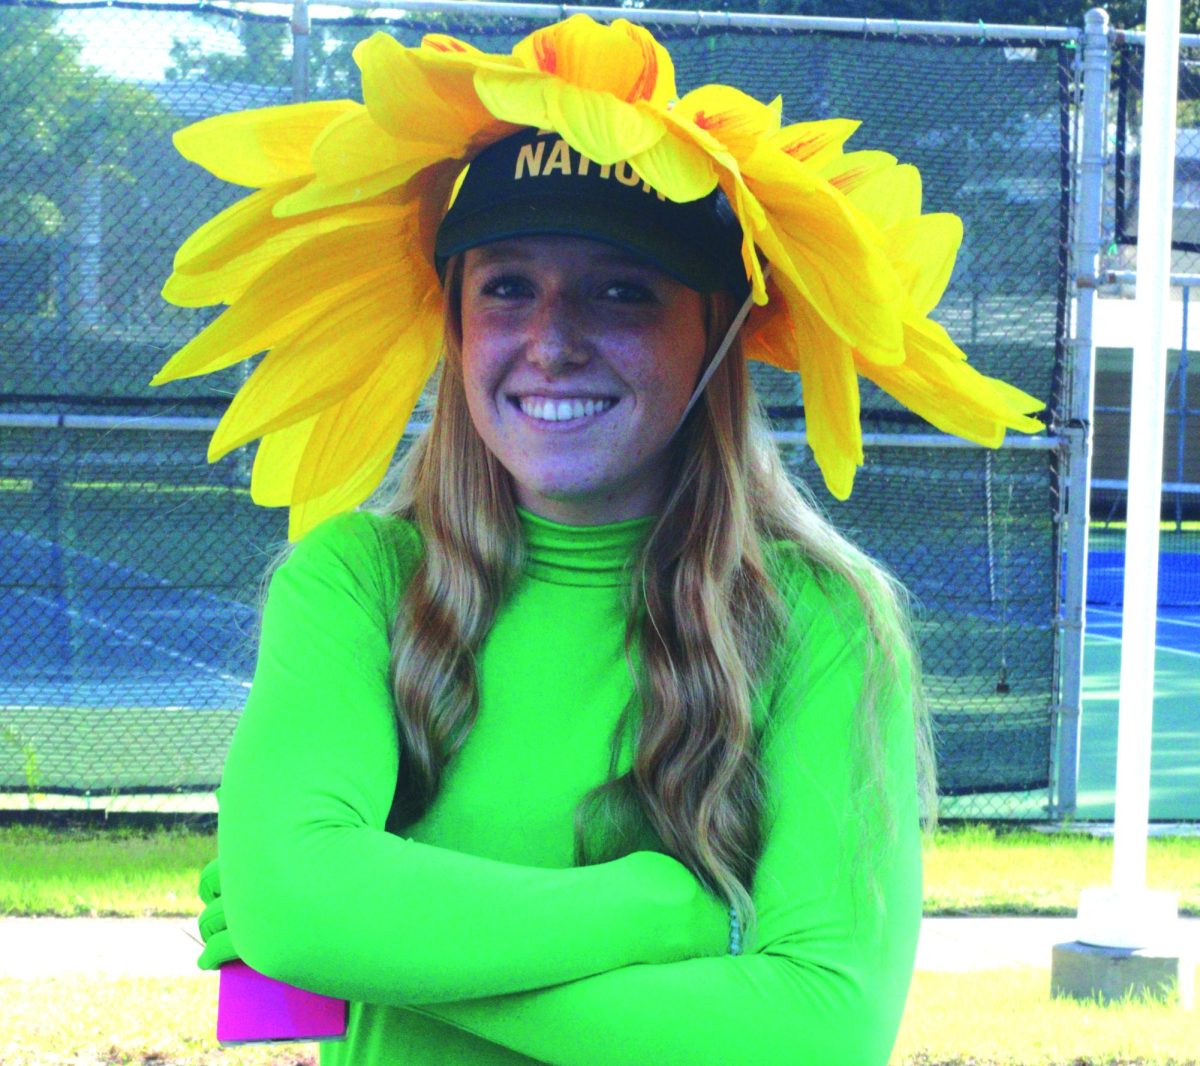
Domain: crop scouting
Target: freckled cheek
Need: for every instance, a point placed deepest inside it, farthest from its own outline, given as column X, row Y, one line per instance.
column 480, row 372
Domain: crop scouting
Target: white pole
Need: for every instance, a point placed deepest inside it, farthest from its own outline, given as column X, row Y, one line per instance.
column 1085, row 262
column 1128, row 916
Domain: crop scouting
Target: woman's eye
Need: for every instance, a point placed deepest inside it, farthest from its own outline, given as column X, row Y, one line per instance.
column 506, row 287
column 628, row 292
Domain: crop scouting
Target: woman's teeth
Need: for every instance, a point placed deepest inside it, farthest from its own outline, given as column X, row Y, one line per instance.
column 563, row 410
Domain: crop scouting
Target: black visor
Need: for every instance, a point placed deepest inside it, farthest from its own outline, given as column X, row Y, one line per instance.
column 534, row 183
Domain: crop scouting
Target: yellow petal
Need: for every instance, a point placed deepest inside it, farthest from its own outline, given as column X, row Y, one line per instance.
column 754, row 229
column 358, row 483
column 227, row 281
column 354, row 161
column 890, row 196
column 318, row 366
column 940, row 386
column 443, row 42
column 355, row 147
column 676, row 168
column 515, row 97
column 352, row 443
column 830, row 254
column 604, row 129
column 745, row 205
column 234, row 231
column 769, row 334
column 831, row 400
column 935, row 335
column 816, row 143
column 443, row 47
column 275, row 463
column 296, row 291
column 261, row 146
column 924, row 250
column 686, row 162
column 416, row 96
column 849, row 171
column 735, row 119
column 620, row 58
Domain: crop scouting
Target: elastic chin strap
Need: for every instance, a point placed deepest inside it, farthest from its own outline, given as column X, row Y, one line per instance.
column 730, row 333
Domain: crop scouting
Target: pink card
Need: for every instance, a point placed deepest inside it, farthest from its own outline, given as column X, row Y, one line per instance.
column 255, row 1009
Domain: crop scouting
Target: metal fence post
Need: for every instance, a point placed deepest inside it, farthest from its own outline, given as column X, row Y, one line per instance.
column 1097, row 59
column 301, row 27
column 1181, row 424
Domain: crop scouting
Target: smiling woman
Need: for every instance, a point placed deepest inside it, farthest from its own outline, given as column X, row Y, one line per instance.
column 598, row 744
column 577, row 365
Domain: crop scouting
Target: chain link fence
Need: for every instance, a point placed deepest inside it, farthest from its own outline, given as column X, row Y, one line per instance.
column 133, row 567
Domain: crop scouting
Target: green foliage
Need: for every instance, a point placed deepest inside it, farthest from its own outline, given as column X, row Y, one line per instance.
column 266, row 59
column 59, row 120
column 29, row 756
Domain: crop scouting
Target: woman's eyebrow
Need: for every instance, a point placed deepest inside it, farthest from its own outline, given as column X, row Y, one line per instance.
column 620, row 257
column 491, row 253
column 487, row 254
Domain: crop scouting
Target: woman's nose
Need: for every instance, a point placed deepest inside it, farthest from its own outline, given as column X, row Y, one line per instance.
column 554, row 335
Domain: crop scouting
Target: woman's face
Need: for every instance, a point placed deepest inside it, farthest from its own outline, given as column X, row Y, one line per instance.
column 563, row 317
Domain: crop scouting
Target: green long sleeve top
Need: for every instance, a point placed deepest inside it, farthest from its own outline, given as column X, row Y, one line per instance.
column 472, row 938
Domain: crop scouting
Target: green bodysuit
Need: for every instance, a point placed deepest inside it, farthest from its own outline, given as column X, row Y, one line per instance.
column 471, row 938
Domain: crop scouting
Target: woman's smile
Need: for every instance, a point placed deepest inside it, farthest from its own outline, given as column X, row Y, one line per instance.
column 561, row 415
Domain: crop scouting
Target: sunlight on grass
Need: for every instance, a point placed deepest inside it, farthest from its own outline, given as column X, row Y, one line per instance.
column 119, row 873
column 1001, row 1017
column 1007, row 1016
column 993, row 1018
column 968, row 870
column 135, row 1020
column 977, row 870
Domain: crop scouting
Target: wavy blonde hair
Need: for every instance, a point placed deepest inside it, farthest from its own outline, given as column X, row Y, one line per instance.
column 699, row 605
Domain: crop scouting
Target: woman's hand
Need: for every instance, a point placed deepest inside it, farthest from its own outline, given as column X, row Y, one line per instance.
column 218, row 947
column 700, row 918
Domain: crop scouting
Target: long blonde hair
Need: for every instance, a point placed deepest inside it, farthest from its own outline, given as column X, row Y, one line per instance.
column 700, row 607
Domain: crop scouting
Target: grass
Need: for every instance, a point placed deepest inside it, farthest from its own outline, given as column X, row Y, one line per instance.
column 1006, row 1017
column 93, row 1021
column 111, row 873
column 993, row 1018
column 970, row 870
column 976, row 870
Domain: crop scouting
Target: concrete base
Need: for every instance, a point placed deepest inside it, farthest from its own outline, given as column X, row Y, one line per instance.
column 1086, row 971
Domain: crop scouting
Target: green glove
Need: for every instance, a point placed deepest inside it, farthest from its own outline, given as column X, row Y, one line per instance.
column 218, row 947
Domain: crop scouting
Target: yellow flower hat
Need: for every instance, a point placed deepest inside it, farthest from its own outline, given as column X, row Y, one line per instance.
column 328, row 267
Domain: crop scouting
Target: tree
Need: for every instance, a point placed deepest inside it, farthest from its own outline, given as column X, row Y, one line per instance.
column 266, row 58
column 57, row 118
column 66, row 132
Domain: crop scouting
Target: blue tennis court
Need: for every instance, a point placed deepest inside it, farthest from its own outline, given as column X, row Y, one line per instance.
column 1178, row 628
column 1175, row 753
column 123, row 637
column 118, row 637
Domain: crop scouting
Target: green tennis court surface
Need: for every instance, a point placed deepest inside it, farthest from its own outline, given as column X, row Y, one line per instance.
column 1175, row 755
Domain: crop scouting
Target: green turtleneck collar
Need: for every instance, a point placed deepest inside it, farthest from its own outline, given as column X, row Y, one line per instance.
column 581, row 555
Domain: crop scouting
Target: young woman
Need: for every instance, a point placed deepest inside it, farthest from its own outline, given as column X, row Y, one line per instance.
column 599, row 745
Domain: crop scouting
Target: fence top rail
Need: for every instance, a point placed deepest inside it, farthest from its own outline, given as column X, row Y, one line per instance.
column 861, row 27
column 202, row 424
column 1125, row 276
column 1138, row 37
